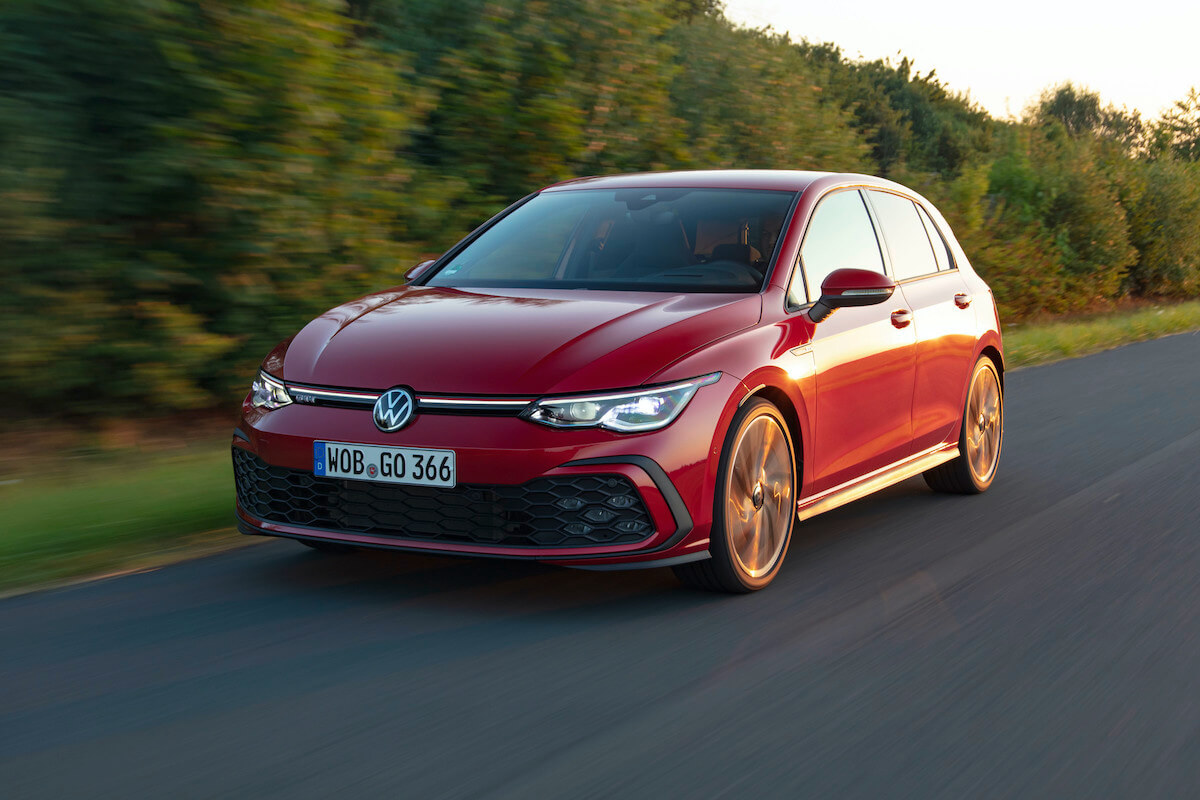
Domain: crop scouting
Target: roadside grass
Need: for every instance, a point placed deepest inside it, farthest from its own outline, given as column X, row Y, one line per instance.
column 115, row 512
column 1041, row 343
column 69, row 517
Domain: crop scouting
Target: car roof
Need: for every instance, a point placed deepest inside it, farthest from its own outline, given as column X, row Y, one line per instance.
column 777, row 179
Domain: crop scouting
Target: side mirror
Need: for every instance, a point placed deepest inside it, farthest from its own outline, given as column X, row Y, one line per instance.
column 417, row 271
column 844, row 288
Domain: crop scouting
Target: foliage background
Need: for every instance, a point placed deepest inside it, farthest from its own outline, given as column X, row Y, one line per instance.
column 184, row 183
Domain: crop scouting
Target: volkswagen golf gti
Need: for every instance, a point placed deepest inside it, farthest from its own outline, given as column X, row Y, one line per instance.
column 667, row 369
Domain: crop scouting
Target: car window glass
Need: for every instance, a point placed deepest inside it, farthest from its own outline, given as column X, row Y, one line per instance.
column 907, row 242
column 839, row 236
column 511, row 253
column 640, row 239
column 941, row 250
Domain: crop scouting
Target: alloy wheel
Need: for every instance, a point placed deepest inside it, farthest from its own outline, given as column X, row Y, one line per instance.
column 985, row 420
column 759, row 502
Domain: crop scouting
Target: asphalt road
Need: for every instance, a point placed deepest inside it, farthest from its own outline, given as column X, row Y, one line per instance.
column 1042, row 640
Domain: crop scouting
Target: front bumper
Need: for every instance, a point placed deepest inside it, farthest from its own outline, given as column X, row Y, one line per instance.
column 644, row 499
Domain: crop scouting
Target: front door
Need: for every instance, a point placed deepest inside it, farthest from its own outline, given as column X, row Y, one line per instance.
column 864, row 356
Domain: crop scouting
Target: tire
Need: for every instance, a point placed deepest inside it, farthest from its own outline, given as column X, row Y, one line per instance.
column 754, row 507
column 980, row 440
column 328, row 548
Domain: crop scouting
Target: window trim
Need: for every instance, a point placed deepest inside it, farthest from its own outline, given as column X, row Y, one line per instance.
column 773, row 264
column 926, row 217
column 440, row 262
column 798, row 264
column 945, row 242
column 883, row 234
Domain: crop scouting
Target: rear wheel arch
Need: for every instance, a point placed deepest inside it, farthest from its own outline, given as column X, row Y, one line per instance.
column 980, row 437
column 992, row 353
column 997, row 359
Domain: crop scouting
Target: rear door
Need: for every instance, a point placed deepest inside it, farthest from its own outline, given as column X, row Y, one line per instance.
column 943, row 321
column 863, row 356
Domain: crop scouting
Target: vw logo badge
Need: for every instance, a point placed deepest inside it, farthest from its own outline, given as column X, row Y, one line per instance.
column 393, row 410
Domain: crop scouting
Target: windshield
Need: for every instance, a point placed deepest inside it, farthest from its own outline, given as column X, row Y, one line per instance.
column 681, row 240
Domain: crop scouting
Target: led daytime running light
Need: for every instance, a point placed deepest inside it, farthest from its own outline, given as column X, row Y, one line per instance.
column 623, row 412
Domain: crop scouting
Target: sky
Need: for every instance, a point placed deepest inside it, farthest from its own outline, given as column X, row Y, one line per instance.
column 1139, row 55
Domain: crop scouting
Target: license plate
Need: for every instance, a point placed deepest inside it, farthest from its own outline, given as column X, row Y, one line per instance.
column 414, row 466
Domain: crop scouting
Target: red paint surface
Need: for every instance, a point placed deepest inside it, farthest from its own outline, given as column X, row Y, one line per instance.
column 862, row 393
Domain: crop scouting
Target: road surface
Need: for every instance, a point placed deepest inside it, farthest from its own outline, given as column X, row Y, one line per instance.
column 1042, row 640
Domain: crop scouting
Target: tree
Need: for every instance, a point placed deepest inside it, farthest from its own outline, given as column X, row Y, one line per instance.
column 687, row 10
column 1077, row 109
column 183, row 183
column 1181, row 127
column 1164, row 224
column 913, row 122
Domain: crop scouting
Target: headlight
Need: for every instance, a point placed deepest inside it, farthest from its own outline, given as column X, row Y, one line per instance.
column 627, row 412
column 269, row 393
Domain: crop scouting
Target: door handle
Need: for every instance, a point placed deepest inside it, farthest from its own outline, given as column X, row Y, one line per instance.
column 962, row 300
column 901, row 318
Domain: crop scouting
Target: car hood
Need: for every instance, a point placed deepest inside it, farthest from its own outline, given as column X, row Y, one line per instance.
column 511, row 342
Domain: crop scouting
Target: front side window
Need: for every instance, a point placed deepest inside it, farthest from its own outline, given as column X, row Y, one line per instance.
column 839, row 236
column 907, row 242
column 679, row 240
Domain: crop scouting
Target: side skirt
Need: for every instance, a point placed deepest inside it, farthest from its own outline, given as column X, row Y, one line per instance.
column 874, row 481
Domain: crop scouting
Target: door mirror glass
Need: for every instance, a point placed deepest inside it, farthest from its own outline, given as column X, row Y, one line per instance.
column 844, row 288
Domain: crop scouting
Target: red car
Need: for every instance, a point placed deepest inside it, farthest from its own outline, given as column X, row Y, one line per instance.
column 665, row 369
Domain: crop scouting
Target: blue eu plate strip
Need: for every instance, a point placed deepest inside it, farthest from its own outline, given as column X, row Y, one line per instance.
column 318, row 458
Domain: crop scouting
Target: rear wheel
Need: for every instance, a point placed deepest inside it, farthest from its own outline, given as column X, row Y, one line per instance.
column 755, row 504
column 980, row 440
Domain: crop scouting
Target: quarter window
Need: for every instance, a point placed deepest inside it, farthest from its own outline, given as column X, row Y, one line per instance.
column 840, row 235
column 907, row 241
column 941, row 250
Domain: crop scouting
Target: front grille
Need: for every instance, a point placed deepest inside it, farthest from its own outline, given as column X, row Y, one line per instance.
column 364, row 400
column 566, row 511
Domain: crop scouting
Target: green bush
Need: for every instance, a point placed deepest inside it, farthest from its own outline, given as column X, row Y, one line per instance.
column 1164, row 223
column 183, row 183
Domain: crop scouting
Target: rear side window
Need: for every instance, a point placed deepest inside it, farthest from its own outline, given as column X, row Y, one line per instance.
column 840, row 235
column 907, row 241
column 941, row 250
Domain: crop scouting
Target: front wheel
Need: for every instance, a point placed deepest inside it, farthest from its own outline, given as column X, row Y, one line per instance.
column 754, row 507
column 980, row 440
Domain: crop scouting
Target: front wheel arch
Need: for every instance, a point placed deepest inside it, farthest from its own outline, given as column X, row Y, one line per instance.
column 779, row 398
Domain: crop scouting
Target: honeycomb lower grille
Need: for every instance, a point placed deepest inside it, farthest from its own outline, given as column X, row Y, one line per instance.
column 567, row 511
